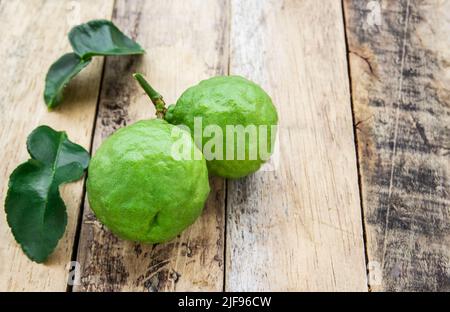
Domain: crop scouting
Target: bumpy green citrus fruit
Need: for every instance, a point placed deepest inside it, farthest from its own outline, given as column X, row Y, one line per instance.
column 228, row 101
column 139, row 191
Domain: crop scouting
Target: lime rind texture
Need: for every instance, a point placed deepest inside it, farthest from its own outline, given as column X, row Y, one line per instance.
column 222, row 101
column 139, row 191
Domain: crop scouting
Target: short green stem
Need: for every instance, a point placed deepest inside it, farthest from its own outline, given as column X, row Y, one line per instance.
column 156, row 98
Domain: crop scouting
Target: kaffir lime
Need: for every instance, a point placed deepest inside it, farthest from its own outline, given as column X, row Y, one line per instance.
column 137, row 188
column 229, row 101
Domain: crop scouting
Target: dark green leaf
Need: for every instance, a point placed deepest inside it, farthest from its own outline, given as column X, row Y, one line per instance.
column 101, row 37
column 97, row 37
column 35, row 211
column 59, row 75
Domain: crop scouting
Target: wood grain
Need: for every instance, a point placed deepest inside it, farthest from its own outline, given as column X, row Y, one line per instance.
column 297, row 227
column 185, row 42
column 400, row 80
column 34, row 35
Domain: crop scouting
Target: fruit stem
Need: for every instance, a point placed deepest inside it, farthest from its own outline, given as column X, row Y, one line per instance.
column 156, row 98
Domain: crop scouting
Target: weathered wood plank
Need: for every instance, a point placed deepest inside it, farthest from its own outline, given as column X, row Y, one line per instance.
column 33, row 36
column 298, row 227
column 399, row 57
column 186, row 41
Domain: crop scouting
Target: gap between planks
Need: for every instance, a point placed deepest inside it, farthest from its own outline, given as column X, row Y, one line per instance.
column 355, row 137
column 83, row 198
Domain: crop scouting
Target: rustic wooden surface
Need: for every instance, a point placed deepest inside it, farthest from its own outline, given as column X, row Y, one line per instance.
column 177, row 57
column 299, row 226
column 31, row 40
column 400, row 80
column 303, row 226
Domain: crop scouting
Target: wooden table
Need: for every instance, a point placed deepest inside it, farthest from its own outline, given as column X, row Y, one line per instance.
column 361, row 195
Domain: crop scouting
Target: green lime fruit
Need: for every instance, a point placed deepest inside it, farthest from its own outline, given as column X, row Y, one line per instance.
column 236, row 103
column 139, row 190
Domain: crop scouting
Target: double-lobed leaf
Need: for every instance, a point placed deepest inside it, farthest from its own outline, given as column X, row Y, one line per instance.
column 59, row 75
column 101, row 37
column 35, row 211
column 95, row 38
